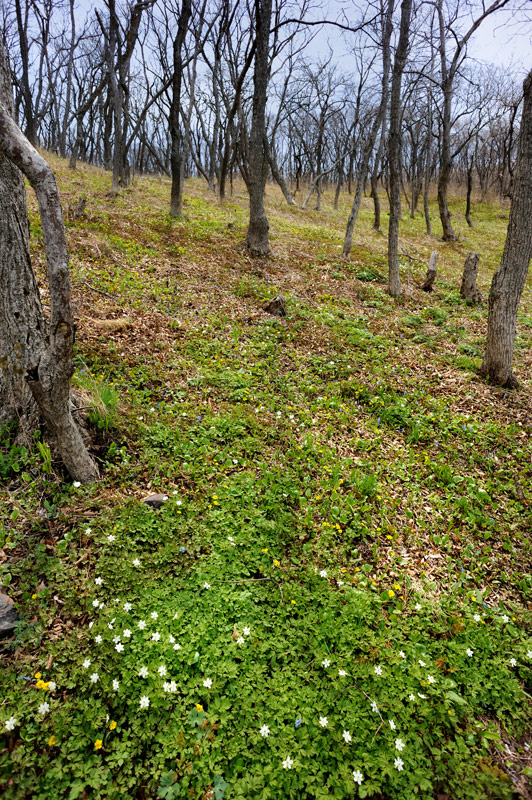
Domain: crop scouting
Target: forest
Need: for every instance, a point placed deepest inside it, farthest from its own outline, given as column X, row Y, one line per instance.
column 265, row 399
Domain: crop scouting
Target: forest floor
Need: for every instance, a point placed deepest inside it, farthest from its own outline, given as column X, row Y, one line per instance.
column 335, row 599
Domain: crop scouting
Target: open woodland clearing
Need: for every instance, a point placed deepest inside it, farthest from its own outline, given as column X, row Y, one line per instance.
column 334, row 601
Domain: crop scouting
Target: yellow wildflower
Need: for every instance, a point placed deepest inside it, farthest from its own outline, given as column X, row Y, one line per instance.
column 98, row 744
column 51, row 741
column 391, row 593
column 37, row 675
column 112, row 725
column 199, row 707
column 276, row 563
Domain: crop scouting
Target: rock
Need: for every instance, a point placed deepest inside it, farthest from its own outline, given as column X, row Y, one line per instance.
column 276, row 306
column 8, row 615
column 155, row 500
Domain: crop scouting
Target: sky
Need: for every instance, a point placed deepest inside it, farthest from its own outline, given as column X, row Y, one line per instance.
column 503, row 39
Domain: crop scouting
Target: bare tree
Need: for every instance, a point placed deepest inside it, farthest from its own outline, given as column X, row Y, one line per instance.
column 509, row 280
column 394, row 150
column 257, row 238
column 450, row 62
column 386, row 27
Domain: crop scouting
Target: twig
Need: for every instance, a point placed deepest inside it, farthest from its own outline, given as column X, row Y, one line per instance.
column 100, row 291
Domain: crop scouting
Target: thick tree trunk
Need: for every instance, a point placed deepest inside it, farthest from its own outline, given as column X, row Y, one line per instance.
column 29, row 353
column 468, row 289
column 176, row 135
column 257, row 239
column 394, row 151
column 509, row 280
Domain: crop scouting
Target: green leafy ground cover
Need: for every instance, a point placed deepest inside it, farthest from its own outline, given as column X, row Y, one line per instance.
column 335, row 600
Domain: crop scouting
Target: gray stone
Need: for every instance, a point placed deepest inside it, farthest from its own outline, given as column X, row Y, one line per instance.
column 155, row 500
column 8, row 615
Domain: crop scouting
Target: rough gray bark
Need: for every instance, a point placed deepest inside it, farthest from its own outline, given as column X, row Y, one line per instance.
column 509, row 280
column 176, row 134
column 468, row 289
column 362, row 171
column 32, row 354
column 394, row 150
column 431, row 272
column 257, row 239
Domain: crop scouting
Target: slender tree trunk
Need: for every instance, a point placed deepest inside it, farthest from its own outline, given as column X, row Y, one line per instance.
column 394, row 148
column 509, row 280
column 375, row 181
column 257, row 239
column 469, row 190
column 362, row 172
column 277, row 175
column 426, row 188
column 42, row 358
column 176, row 134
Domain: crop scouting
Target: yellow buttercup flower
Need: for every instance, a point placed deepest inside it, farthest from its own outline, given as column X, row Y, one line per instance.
column 391, row 593
column 276, row 563
column 37, row 675
column 112, row 725
column 98, row 744
column 51, row 741
column 199, row 707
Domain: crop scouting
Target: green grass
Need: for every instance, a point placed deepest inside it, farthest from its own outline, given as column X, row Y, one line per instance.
column 345, row 495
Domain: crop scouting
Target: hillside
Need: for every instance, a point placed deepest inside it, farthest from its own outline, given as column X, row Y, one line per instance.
column 334, row 601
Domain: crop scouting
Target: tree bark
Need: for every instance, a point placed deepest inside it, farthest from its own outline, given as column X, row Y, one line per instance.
column 509, row 280
column 394, row 151
column 468, row 289
column 277, row 175
column 176, row 134
column 362, row 172
column 40, row 357
column 469, row 190
column 257, row 239
column 430, row 277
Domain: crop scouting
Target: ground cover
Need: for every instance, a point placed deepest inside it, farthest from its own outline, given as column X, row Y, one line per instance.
column 335, row 600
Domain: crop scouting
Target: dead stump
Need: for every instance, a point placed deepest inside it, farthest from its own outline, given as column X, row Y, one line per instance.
column 468, row 289
column 431, row 272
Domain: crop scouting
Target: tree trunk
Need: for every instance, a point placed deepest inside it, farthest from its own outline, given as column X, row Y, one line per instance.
column 277, row 175
column 509, row 280
column 362, row 172
column 468, row 289
column 431, row 272
column 257, row 239
column 176, row 134
column 394, row 151
column 375, row 182
column 30, row 353
column 469, row 190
